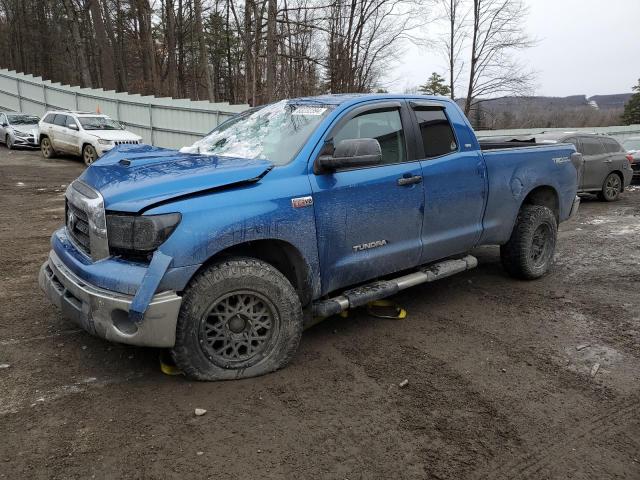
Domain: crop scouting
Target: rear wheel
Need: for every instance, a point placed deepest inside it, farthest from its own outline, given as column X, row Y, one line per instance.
column 611, row 188
column 240, row 318
column 89, row 154
column 46, row 148
column 529, row 252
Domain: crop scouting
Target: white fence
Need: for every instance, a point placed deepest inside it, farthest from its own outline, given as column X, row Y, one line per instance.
column 165, row 122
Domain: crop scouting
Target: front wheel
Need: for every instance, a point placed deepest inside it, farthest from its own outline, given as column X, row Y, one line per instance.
column 611, row 188
column 89, row 154
column 240, row 318
column 529, row 252
column 9, row 142
column 46, row 148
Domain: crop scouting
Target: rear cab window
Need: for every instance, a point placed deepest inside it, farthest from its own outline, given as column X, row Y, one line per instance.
column 436, row 132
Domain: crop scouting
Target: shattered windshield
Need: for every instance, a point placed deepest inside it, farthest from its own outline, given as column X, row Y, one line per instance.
column 22, row 119
column 275, row 132
column 99, row 123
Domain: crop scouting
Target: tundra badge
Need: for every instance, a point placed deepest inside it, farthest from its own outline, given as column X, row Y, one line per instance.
column 302, row 202
column 367, row 246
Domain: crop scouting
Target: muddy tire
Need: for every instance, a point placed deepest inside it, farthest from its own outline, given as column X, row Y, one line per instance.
column 89, row 155
column 611, row 188
column 47, row 148
column 8, row 142
column 529, row 252
column 239, row 318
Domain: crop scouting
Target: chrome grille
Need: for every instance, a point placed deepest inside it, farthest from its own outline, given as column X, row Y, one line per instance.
column 126, row 142
column 86, row 220
column 78, row 226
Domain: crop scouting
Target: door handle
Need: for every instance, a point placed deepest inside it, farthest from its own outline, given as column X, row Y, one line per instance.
column 404, row 181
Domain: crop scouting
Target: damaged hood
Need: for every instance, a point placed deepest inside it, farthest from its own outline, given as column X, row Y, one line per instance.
column 134, row 177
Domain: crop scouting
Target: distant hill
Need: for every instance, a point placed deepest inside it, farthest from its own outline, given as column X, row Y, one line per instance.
column 547, row 112
column 602, row 102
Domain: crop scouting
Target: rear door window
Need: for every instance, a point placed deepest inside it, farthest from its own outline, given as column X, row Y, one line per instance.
column 436, row 132
column 49, row 118
column 60, row 120
column 610, row 145
column 591, row 146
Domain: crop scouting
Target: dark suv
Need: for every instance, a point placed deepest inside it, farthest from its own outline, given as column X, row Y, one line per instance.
column 607, row 167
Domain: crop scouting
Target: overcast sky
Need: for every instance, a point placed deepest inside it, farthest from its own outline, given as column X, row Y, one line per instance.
column 589, row 47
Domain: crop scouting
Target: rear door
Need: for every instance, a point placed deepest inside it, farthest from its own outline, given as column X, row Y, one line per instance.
column 596, row 162
column 455, row 183
column 617, row 159
column 369, row 220
column 57, row 134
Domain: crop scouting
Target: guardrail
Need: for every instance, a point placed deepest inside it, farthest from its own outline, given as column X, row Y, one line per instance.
column 165, row 122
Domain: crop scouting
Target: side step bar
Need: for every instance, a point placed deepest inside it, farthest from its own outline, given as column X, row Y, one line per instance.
column 384, row 288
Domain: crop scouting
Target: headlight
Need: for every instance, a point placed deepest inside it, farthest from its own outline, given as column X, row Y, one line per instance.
column 21, row 134
column 140, row 233
column 102, row 141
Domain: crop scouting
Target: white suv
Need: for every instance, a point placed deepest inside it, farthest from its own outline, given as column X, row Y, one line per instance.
column 79, row 133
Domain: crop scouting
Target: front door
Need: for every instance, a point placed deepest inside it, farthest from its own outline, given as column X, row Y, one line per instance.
column 455, row 183
column 368, row 220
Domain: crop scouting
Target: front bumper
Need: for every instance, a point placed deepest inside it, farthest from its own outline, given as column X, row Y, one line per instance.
column 105, row 313
column 25, row 142
column 574, row 207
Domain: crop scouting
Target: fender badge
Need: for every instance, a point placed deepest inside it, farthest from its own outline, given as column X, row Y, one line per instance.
column 302, row 202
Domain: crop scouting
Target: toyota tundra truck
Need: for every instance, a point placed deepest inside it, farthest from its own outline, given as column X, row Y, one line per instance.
column 285, row 214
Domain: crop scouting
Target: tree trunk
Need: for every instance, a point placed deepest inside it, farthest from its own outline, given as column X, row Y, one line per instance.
column 203, row 58
column 474, row 57
column 248, row 54
column 147, row 51
column 85, row 78
column 105, row 50
column 272, row 51
column 172, row 79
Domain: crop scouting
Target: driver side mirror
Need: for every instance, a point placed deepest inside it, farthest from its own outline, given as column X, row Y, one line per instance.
column 72, row 126
column 351, row 153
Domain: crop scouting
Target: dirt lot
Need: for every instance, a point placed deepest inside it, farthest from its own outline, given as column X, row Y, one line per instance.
column 498, row 387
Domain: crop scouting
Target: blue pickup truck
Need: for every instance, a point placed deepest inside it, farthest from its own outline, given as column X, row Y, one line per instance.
column 292, row 212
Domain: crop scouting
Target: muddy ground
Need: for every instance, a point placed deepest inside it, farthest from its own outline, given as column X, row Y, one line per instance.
column 497, row 386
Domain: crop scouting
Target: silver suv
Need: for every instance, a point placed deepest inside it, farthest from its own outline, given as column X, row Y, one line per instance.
column 89, row 135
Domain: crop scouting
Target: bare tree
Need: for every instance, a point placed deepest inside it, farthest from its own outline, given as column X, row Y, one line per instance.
column 497, row 32
column 456, row 15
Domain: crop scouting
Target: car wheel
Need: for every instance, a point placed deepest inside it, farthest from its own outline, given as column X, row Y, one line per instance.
column 240, row 318
column 89, row 154
column 611, row 188
column 529, row 252
column 9, row 142
column 46, row 148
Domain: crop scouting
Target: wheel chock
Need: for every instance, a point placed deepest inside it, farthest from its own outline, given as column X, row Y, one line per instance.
column 386, row 309
column 167, row 365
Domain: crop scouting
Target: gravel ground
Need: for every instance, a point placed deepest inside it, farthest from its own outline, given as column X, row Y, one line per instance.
column 499, row 373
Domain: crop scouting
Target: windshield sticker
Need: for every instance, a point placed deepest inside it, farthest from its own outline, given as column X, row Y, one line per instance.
column 309, row 110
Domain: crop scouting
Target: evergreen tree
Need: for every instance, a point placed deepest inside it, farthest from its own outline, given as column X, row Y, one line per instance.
column 631, row 115
column 435, row 86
